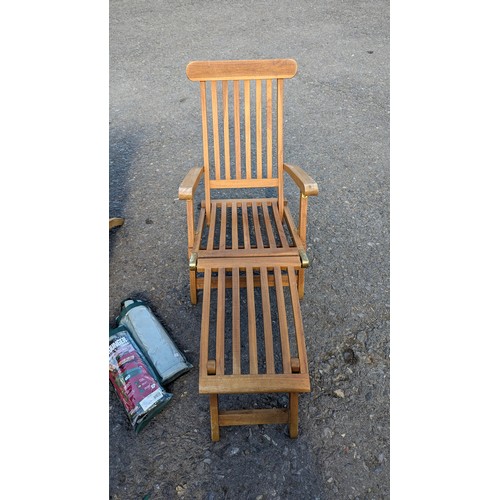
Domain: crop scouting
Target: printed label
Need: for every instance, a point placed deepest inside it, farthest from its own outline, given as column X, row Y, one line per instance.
column 150, row 400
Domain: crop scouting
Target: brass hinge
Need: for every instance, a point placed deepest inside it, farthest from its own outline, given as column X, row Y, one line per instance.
column 193, row 261
column 304, row 259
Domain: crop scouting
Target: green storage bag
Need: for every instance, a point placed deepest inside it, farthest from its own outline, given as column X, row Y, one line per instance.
column 154, row 341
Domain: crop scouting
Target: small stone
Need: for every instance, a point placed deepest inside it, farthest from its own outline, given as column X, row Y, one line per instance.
column 181, row 489
column 349, row 356
column 330, row 480
column 339, row 393
column 233, row 451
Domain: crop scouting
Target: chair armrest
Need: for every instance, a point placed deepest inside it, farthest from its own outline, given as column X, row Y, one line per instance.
column 304, row 181
column 190, row 183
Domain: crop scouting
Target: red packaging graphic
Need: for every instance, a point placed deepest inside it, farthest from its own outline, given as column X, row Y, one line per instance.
column 133, row 379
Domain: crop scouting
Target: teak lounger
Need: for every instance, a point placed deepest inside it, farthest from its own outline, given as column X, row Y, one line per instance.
column 248, row 249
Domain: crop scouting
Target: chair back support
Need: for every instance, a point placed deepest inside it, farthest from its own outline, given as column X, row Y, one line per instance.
column 242, row 122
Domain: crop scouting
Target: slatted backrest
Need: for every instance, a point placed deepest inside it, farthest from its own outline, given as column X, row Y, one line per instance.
column 242, row 122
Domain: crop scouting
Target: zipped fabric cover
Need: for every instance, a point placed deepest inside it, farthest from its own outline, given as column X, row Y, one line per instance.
column 168, row 361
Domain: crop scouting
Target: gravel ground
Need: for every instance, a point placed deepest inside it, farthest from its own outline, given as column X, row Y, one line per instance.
column 337, row 128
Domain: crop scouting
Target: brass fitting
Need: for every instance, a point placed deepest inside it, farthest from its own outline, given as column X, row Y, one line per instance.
column 193, row 261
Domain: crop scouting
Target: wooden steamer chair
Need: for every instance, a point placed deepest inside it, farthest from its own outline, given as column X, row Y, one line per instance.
column 246, row 254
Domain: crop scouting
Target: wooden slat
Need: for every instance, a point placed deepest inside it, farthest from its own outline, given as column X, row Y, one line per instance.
column 299, row 244
column 237, row 138
column 256, row 223
column 260, row 416
column 293, row 229
column 211, row 228
column 240, row 200
column 248, row 132
column 206, row 157
column 243, row 282
column 271, row 261
column 247, row 252
column 269, row 227
column 246, row 231
column 258, row 126
column 297, row 318
column 225, row 113
column 268, row 327
column 205, row 324
column 279, row 225
column 240, row 70
column 252, row 332
column 269, row 127
column 236, row 321
column 223, row 224
column 234, row 225
column 254, row 383
column 279, row 134
column 243, row 183
column 215, row 131
column 280, row 299
column 221, row 314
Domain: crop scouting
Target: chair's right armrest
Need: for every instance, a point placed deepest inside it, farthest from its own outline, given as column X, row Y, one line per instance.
column 190, row 183
column 304, row 181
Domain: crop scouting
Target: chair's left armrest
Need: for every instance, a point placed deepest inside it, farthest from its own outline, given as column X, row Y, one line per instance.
column 304, row 181
column 190, row 183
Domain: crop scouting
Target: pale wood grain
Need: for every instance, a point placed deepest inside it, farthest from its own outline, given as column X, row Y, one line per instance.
column 242, row 69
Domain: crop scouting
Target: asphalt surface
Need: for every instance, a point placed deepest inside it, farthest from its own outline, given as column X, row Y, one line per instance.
column 337, row 129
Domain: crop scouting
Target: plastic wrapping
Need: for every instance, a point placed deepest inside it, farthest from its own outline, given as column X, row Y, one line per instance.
column 134, row 380
column 168, row 361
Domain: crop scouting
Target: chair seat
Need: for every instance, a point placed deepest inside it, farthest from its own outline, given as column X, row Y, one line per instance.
column 246, row 228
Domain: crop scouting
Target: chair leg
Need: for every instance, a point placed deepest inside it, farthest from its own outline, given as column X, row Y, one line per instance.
column 214, row 417
column 301, row 282
column 192, row 286
column 293, row 415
